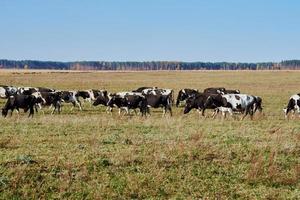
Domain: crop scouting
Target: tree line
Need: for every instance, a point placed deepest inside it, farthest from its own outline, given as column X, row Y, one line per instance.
column 151, row 65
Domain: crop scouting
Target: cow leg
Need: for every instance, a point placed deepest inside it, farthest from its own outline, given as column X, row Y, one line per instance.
column 78, row 103
column 215, row 113
column 74, row 104
column 169, row 108
column 55, row 108
column 246, row 113
column 31, row 112
column 126, row 111
column 164, row 111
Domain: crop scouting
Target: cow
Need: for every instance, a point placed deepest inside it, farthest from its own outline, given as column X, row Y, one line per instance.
column 293, row 105
column 239, row 103
column 127, row 101
column 87, row 95
column 184, row 94
column 26, row 102
column 157, row 101
column 70, row 97
column 218, row 90
column 160, row 91
column 52, row 99
column 203, row 101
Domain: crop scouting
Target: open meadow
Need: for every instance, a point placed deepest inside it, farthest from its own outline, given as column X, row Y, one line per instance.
column 91, row 154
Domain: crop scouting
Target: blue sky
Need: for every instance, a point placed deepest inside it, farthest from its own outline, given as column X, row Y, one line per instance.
column 146, row 30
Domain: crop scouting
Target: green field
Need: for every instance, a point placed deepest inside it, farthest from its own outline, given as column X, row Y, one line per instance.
column 94, row 155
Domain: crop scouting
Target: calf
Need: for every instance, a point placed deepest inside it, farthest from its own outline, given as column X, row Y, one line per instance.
column 26, row 102
column 293, row 105
column 184, row 94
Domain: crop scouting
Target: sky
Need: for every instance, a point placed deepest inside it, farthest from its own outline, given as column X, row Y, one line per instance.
column 150, row 30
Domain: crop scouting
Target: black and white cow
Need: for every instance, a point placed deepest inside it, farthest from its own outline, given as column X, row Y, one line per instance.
column 239, row 103
column 184, row 94
column 158, row 101
column 293, row 105
column 218, row 90
column 203, row 101
column 160, row 91
column 26, row 102
column 70, row 97
column 126, row 101
column 52, row 99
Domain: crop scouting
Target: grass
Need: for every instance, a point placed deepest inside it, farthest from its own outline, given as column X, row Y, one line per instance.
column 93, row 155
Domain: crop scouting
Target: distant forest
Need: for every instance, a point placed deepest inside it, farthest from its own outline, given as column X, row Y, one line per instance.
column 155, row 65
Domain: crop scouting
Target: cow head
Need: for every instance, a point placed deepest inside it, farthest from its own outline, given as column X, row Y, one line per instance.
column 190, row 104
column 181, row 97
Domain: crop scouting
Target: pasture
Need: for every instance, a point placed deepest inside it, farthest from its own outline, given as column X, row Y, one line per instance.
column 91, row 154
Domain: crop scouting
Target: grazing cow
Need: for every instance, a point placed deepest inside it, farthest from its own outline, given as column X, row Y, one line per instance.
column 184, row 94
column 219, row 90
column 26, row 102
column 293, row 105
column 52, row 99
column 157, row 101
column 127, row 101
column 70, row 97
column 202, row 101
column 87, row 95
column 239, row 102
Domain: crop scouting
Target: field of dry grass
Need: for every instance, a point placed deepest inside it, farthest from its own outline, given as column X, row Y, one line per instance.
column 93, row 155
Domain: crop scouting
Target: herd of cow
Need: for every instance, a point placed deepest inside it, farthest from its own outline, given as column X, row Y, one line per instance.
column 143, row 98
